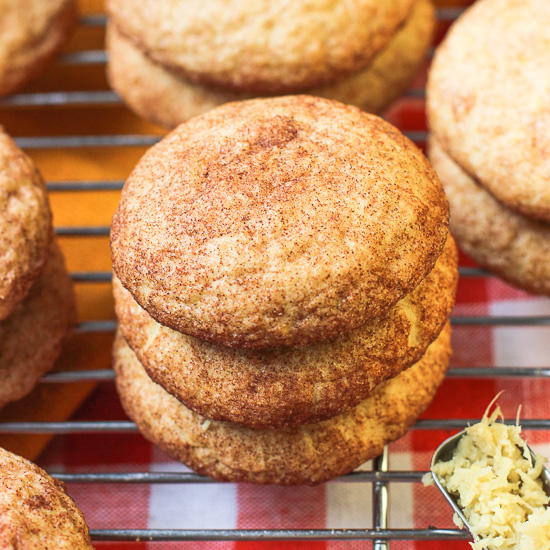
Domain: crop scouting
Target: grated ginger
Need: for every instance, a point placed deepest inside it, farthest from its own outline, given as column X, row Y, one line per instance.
column 498, row 487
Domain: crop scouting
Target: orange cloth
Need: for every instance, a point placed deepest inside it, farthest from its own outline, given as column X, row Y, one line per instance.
column 55, row 402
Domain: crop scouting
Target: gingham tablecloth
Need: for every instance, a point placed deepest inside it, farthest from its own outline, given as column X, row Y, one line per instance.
column 336, row 504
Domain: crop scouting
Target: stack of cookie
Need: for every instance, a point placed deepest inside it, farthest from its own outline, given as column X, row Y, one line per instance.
column 489, row 110
column 31, row 33
column 280, row 263
column 36, row 299
column 174, row 60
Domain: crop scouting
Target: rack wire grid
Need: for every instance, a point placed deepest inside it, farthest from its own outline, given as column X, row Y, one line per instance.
column 380, row 477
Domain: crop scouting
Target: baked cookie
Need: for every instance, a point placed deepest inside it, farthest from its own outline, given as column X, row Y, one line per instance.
column 31, row 337
column 281, row 221
column 25, row 224
column 35, row 511
column 291, row 386
column 488, row 100
column 514, row 247
column 166, row 97
column 391, row 71
column 258, row 46
column 31, row 31
column 289, row 456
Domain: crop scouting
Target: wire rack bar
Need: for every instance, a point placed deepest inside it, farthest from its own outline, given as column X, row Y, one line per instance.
column 96, row 326
column 99, row 19
column 121, row 140
column 499, row 372
column 65, row 377
column 93, row 20
column 274, row 534
column 50, row 99
column 85, row 57
column 499, row 320
column 114, row 185
column 98, row 97
column 449, row 14
column 97, row 231
column 101, row 276
column 72, row 142
column 191, row 477
column 481, row 320
column 95, row 277
column 68, row 427
column 380, row 499
column 99, row 57
column 106, row 375
column 124, row 426
column 473, row 272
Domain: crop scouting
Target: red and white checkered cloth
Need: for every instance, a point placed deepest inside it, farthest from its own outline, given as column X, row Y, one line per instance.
column 335, row 504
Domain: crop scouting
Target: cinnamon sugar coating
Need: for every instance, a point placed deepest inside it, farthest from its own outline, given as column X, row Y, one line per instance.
column 32, row 336
column 166, row 97
column 304, row 455
column 291, row 386
column 280, row 221
column 32, row 32
column 259, row 46
column 488, row 100
column 25, row 224
column 513, row 246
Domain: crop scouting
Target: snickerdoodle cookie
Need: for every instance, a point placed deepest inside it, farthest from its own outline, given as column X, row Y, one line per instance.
column 31, row 337
column 31, row 32
column 25, row 225
column 166, row 97
column 291, row 386
column 499, row 239
column 307, row 454
column 35, row 511
column 259, row 46
column 488, row 100
column 281, row 221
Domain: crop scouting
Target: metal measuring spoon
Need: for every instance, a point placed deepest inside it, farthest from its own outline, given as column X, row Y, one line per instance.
column 445, row 452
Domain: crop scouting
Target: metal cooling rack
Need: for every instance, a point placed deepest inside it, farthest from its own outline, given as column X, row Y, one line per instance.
column 380, row 477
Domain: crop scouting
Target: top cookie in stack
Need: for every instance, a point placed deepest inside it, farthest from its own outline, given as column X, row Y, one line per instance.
column 278, row 262
column 489, row 111
column 266, row 223
column 173, row 60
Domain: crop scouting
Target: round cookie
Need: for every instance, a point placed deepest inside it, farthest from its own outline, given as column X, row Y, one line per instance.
column 35, row 511
column 514, row 247
column 31, row 337
column 258, row 46
column 167, row 98
column 279, row 221
column 291, row 386
column 290, row 456
column 32, row 32
column 488, row 100
column 391, row 71
column 25, row 225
